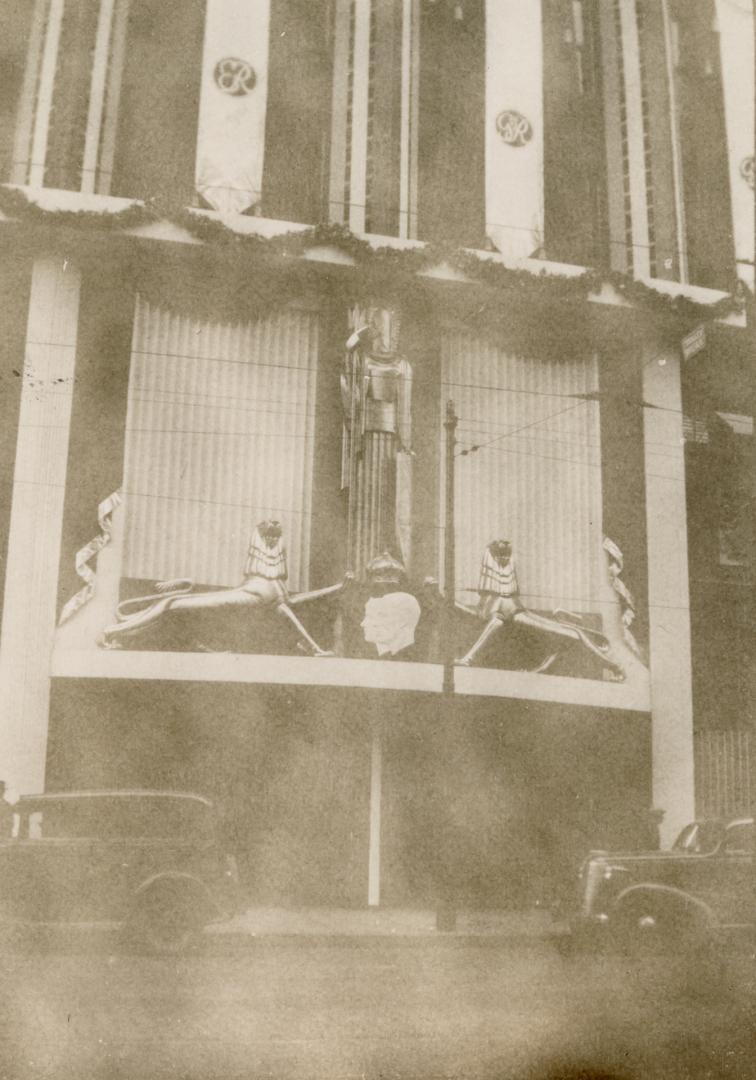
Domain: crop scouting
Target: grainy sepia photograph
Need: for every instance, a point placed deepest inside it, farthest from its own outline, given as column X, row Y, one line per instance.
column 377, row 520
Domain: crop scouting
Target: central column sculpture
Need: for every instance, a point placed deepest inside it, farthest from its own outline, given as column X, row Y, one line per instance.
column 376, row 392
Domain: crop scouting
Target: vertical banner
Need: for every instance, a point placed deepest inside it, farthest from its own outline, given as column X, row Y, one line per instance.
column 735, row 21
column 514, row 126
column 350, row 108
column 632, row 122
column 231, row 131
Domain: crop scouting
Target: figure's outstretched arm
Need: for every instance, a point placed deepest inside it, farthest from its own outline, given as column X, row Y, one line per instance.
column 317, row 594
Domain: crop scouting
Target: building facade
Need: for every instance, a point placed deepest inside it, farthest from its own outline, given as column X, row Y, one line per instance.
column 377, row 425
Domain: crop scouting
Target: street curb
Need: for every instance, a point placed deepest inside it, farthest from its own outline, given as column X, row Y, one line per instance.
column 236, row 941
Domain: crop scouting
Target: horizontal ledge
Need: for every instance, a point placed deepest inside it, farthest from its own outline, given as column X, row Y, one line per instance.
column 56, row 200
column 334, row 671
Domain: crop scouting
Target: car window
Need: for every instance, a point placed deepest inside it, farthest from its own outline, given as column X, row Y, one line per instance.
column 739, row 839
column 699, row 838
column 143, row 817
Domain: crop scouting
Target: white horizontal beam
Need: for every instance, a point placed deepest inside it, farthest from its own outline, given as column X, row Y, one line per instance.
column 366, row 674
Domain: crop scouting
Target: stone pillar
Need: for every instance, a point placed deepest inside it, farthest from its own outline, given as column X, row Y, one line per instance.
column 28, row 624
column 668, row 592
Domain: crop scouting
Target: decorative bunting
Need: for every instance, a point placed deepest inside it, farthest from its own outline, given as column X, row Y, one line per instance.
column 381, row 273
column 84, row 554
column 514, row 126
column 233, row 100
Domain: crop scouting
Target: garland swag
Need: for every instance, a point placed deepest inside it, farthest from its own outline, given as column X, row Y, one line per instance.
column 381, row 273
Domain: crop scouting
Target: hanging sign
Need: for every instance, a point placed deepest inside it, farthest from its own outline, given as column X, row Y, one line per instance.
column 694, row 342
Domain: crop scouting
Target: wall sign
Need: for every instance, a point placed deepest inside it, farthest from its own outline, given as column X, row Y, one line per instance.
column 235, row 77
column 748, row 171
column 514, row 128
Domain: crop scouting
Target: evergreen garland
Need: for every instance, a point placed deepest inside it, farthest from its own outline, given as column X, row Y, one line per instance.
column 379, row 274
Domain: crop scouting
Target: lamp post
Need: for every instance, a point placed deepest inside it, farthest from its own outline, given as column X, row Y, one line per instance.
column 446, row 915
column 450, row 426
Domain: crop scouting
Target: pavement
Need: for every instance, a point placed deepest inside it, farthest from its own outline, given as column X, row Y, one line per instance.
column 379, row 924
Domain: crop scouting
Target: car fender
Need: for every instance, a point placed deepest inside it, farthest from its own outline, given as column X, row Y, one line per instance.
column 189, row 886
column 668, row 894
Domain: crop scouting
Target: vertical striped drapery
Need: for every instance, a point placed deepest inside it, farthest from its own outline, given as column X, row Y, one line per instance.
column 65, row 125
column 735, row 22
column 514, row 126
column 233, row 102
column 220, row 436
column 538, row 482
column 626, row 134
column 724, row 772
column 374, row 116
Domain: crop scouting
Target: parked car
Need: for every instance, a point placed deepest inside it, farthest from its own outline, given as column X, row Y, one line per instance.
column 151, row 862
column 702, row 891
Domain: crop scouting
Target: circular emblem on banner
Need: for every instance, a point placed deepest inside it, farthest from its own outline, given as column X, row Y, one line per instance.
column 748, row 171
column 234, row 76
column 514, row 128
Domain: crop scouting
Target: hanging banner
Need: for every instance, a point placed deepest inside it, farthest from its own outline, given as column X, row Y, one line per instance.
column 514, row 126
column 233, row 100
column 735, row 21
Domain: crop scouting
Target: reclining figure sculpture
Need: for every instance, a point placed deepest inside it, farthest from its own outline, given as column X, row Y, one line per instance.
column 263, row 588
column 500, row 605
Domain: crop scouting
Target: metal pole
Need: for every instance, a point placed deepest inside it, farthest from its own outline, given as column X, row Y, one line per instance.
column 751, row 332
column 450, row 425
column 446, row 915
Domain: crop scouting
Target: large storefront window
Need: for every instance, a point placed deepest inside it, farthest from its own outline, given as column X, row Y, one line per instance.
column 529, row 555
column 219, row 437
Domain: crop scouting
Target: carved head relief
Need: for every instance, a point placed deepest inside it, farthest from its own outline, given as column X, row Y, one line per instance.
column 390, row 622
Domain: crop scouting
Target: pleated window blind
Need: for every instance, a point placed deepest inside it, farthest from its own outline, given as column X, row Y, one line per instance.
column 220, row 435
column 536, row 479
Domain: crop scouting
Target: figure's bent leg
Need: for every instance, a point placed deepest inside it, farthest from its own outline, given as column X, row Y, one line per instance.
column 493, row 624
column 574, row 633
column 314, row 647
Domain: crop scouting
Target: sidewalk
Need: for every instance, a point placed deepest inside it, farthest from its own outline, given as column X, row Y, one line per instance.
column 383, row 924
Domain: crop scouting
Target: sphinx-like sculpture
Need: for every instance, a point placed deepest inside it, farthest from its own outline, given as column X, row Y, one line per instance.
column 500, row 605
column 263, row 588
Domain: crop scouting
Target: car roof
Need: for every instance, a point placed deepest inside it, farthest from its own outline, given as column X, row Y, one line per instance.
column 118, row 793
column 721, row 822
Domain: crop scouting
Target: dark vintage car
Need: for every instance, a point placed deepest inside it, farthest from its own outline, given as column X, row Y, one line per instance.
column 701, row 891
column 149, row 861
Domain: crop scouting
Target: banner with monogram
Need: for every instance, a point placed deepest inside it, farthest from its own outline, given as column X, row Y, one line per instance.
column 514, row 126
column 735, row 21
column 85, row 554
column 233, row 100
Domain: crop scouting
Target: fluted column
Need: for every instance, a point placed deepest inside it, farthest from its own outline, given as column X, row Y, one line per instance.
column 28, row 624
column 668, row 593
